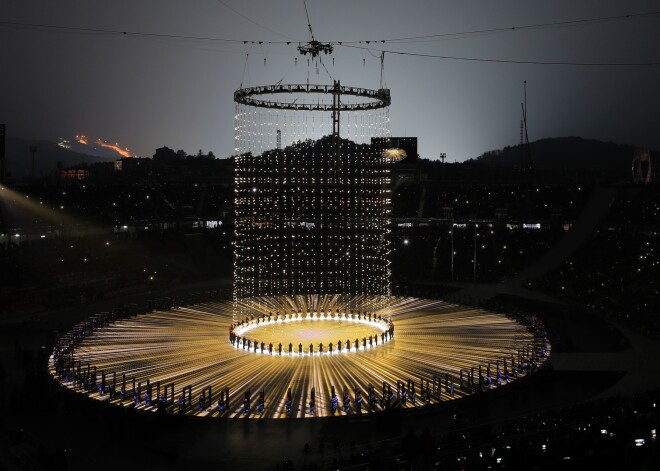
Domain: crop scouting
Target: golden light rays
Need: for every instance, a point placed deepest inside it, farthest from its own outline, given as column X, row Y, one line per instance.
column 190, row 346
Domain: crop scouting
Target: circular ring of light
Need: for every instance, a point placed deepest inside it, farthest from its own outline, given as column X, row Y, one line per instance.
column 250, row 96
column 380, row 325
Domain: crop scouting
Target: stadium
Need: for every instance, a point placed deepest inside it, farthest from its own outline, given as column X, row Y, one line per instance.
column 327, row 298
column 312, row 217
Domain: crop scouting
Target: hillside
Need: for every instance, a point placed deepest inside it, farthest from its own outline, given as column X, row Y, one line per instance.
column 567, row 153
column 19, row 159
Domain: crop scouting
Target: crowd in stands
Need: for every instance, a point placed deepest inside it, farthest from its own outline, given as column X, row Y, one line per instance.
column 615, row 433
column 117, row 238
column 123, row 203
column 441, row 229
column 616, row 272
column 618, row 433
column 483, row 201
column 501, row 250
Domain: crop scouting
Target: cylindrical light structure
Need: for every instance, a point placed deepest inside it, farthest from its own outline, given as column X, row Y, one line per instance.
column 312, row 197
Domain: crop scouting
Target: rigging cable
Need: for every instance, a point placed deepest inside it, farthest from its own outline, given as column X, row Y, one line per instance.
column 309, row 25
column 254, row 22
column 512, row 61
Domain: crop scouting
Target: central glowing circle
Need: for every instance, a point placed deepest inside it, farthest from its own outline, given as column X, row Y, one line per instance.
column 318, row 334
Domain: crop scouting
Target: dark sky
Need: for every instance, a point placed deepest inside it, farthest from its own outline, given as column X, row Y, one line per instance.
column 145, row 92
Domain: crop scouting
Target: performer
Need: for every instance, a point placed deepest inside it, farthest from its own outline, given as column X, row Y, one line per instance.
column 312, row 402
column 246, row 403
column 358, row 401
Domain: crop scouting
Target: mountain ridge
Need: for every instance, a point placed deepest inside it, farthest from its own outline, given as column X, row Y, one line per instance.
column 566, row 153
column 47, row 156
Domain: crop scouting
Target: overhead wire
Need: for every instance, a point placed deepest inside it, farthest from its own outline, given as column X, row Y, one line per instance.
column 309, row 24
column 508, row 28
column 356, row 44
column 291, row 40
column 326, row 69
column 509, row 61
column 254, row 22
column 77, row 29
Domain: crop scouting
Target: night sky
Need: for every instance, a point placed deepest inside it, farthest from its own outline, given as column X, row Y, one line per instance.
column 148, row 91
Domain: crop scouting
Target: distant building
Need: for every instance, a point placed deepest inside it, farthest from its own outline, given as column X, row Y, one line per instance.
column 132, row 168
column 78, row 174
